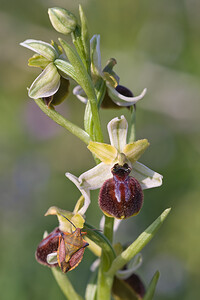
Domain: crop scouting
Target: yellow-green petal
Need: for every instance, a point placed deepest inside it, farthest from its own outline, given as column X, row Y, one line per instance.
column 105, row 152
column 134, row 150
column 64, row 224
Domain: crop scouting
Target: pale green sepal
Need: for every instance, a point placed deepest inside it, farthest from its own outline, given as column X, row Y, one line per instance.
column 144, row 238
column 66, row 68
column 64, row 224
column 65, row 285
column 134, row 150
column 122, row 100
column 42, row 48
column 80, row 94
column 132, row 266
column 52, row 258
column 84, row 191
column 46, row 84
column 105, row 152
column 38, row 61
column 110, row 79
column 95, row 55
column 117, row 130
column 147, row 177
column 62, row 20
column 95, row 177
column 152, row 286
column 108, row 70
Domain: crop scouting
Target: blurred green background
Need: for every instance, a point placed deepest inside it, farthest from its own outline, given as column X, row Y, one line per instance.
column 157, row 45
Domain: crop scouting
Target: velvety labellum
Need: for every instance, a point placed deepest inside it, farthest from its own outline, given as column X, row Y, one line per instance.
column 46, row 246
column 121, row 196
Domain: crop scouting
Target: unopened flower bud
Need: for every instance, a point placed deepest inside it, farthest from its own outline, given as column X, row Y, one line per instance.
column 62, row 20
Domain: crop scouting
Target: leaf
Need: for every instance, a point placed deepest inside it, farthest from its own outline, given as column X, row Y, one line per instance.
column 151, row 288
column 122, row 259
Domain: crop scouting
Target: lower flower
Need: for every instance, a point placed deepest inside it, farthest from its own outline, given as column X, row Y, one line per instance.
column 63, row 247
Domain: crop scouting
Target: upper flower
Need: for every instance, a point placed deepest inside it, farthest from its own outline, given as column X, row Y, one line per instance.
column 119, row 152
column 116, row 95
column 118, row 159
column 49, row 85
column 48, row 82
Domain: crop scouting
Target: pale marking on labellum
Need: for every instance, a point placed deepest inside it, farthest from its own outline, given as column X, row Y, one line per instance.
column 118, row 192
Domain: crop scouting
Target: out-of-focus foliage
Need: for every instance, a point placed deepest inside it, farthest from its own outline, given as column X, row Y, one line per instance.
column 157, row 45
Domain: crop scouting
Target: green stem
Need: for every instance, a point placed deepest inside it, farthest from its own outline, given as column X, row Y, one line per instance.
column 86, row 83
column 65, row 285
column 144, row 238
column 105, row 281
column 59, row 119
column 132, row 133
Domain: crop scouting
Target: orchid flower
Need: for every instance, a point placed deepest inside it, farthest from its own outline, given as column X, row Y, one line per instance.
column 116, row 95
column 119, row 152
column 122, row 156
column 49, row 85
column 49, row 249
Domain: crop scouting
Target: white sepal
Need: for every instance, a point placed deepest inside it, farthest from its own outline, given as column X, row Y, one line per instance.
column 133, row 265
column 84, row 191
column 80, row 94
column 117, row 130
column 146, row 177
column 122, row 100
column 95, row 177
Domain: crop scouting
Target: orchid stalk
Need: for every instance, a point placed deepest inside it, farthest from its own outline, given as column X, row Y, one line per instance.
column 118, row 174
